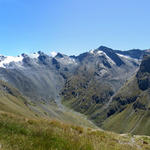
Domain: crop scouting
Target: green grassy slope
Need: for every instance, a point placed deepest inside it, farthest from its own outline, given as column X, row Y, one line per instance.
column 13, row 102
column 129, row 116
column 130, row 108
column 29, row 134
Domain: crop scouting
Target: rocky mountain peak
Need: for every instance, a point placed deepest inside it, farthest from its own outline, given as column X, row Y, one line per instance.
column 112, row 55
column 104, row 48
column 59, row 55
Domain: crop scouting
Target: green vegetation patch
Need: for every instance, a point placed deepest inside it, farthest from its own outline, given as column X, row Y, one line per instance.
column 24, row 134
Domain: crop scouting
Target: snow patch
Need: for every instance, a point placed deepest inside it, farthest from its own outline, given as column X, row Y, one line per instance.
column 101, row 53
column 129, row 59
column 124, row 56
column 67, row 61
column 10, row 59
column 53, row 54
column 110, row 60
column 92, row 51
column 34, row 55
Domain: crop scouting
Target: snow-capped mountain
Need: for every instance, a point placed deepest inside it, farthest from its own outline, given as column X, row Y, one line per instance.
column 6, row 61
column 101, row 74
column 9, row 61
column 86, row 82
column 34, row 72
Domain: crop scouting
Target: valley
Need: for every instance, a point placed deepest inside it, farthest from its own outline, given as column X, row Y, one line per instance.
column 97, row 100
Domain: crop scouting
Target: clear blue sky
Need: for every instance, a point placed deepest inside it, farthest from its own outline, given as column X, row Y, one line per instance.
column 73, row 26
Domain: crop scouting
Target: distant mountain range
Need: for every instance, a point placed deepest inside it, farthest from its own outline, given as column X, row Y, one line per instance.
column 104, row 84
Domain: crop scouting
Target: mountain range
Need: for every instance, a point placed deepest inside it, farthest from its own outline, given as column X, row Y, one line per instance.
column 110, row 87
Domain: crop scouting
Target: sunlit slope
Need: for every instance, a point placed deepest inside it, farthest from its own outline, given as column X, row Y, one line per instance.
column 29, row 134
column 130, row 108
column 12, row 101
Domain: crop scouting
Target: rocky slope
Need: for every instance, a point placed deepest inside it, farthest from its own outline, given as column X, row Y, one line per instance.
column 100, row 75
column 41, row 77
column 11, row 101
column 87, row 83
column 37, row 76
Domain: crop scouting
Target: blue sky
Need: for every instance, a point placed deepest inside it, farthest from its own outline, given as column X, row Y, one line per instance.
column 73, row 26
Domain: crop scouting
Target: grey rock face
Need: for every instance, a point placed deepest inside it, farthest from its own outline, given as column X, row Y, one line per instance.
column 41, row 77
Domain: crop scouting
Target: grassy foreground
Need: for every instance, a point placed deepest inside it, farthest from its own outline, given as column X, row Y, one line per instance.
column 17, row 133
